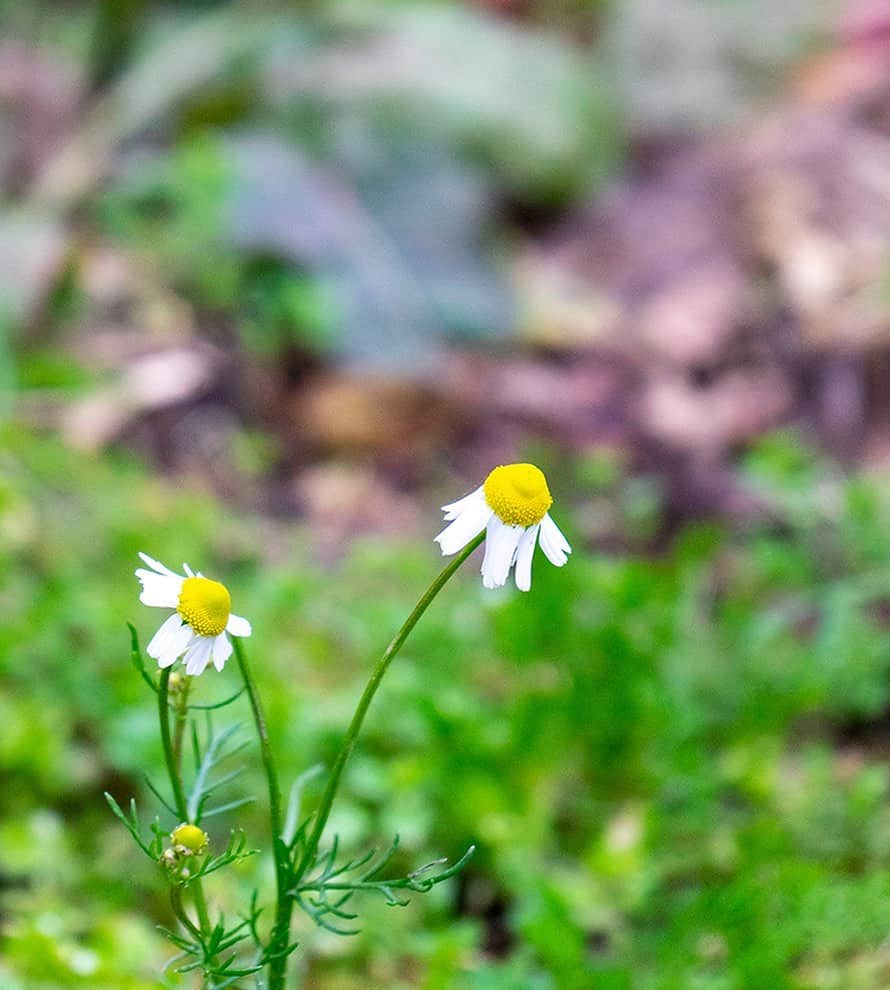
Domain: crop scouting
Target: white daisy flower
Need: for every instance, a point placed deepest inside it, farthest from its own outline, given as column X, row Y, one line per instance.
column 511, row 506
column 196, row 631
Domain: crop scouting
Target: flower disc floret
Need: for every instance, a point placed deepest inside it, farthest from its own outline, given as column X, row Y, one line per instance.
column 518, row 494
column 205, row 605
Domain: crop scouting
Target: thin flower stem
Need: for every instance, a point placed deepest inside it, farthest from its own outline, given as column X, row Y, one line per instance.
column 169, row 753
column 330, row 792
column 287, row 877
column 188, row 924
column 280, row 935
column 182, row 712
column 179, row 911
column 176, row 785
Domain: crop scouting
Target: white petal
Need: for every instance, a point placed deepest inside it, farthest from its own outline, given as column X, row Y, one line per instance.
column 501, row 541
column 198, row 655
column 170, row 641
column 553, row 543
column 189, row 572
column 238, row 626
column 468, row 524
column 159, row 590
column 156, row 565
column 454, row 509
column 222, row 650
column 525, row 550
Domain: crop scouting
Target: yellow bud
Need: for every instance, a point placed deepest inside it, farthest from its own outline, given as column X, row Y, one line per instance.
column 189, row 840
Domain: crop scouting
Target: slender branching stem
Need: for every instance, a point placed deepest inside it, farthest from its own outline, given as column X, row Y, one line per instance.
column 188, row 924
column 321, row 816
column 182, row 712
column 288, row 875
column 179, row 911
column 179, row 800
column 280, row 936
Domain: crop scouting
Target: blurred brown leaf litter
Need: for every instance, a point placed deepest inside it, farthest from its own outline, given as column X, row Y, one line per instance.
column 725, row 286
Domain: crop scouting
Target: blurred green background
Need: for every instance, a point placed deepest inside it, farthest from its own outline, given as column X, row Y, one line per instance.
column 279, row 279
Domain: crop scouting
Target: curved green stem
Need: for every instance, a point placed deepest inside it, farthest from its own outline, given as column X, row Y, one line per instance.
column 176, row 785
column 286, row 875
column 280, row 936
column 355, row 725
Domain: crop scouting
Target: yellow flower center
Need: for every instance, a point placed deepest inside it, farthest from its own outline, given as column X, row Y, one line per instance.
column 204, row 605
column 518, row 494
column 190, row 837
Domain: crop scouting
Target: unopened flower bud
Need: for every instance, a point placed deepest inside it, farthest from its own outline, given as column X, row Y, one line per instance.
column 189, row 840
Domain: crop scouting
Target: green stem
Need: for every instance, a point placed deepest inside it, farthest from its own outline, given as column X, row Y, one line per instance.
column 355, row 725
column 176, row 784
column 166, row 741
column 182, row 712
column 280, row 935
column 188, row 924
column 179, row 911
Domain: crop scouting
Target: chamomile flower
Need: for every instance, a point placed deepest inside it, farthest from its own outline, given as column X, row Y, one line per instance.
column 197, row 630
column 512, row 507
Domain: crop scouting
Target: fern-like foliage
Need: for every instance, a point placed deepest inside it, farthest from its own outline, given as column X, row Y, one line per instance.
column 326, row 892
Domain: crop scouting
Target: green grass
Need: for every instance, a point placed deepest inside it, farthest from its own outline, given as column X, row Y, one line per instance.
column 673, row 765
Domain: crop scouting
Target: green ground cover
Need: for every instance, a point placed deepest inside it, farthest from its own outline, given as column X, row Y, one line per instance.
column 673, row 764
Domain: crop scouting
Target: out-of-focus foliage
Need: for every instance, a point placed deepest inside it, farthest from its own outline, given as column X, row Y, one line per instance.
column 693, row 64
column 673, row 767
column 326, row 177
column 672, row 754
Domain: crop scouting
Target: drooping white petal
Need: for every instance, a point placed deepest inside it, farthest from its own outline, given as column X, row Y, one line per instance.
column 238, row 626
column 553, row 543
column 469, row 523
column 198, row 655
column 222, row 650
column 156, row 565
column 159, row 590
column 525, row 550
column 454, row 509
column 170, row 641
column 501, row 541
column 189, row 572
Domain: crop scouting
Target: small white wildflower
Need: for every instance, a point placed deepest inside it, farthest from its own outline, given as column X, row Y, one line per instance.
column 197, row 629
column 511, row 506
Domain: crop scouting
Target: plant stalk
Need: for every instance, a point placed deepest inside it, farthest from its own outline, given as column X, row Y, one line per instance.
column 182, row 712
column 330, row 792
column 280, row 935
column 286, row 874
column 176, row 785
